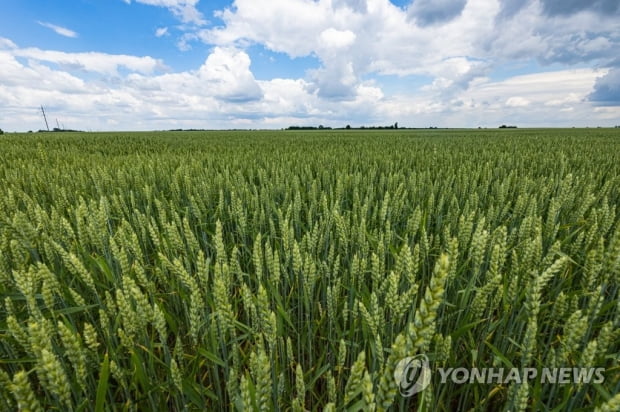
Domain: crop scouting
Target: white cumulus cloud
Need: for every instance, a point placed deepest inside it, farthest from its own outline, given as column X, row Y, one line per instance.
column 63, row 31
column 517, row 101
column 337, row 39
column 162, row 31
column 227, row 74
column 91, row 61
column 353, row 39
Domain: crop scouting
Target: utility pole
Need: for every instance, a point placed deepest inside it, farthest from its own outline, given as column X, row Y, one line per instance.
column 45, row 118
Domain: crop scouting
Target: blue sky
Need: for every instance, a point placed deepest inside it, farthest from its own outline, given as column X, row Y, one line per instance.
column 163, row 64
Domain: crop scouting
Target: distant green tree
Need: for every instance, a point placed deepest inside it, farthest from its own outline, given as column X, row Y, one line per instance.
column 1, row 132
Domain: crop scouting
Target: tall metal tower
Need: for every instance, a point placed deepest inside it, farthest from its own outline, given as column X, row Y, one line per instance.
column 45, row 118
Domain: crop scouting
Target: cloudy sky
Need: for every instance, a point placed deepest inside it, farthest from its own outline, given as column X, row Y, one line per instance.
column 163, row 64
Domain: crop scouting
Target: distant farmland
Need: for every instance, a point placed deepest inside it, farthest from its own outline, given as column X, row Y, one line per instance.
column 306, row 270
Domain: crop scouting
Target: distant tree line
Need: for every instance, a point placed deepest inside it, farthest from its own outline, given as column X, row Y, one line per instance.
column 320, row 127
column 58, row 129
column 347, row 127
column 392, row 126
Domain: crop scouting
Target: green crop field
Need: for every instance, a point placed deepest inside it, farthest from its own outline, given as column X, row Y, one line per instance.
column 297, row 270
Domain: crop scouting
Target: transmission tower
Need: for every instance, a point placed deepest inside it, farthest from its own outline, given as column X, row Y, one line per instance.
column 45, row 118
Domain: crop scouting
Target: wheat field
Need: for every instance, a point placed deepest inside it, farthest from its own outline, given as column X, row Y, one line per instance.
column 282, row 270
